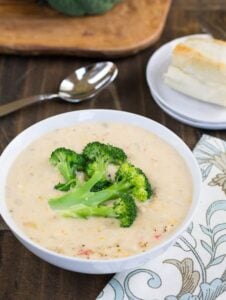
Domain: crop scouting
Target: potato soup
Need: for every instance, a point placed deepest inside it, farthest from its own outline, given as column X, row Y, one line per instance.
column 32, row 178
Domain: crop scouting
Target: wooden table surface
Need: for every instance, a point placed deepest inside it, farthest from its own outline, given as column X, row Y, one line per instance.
column 23, row 276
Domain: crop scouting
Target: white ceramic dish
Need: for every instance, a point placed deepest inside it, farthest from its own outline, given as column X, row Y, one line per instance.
column 182, row 107
column 72, row 118
column 187, row 120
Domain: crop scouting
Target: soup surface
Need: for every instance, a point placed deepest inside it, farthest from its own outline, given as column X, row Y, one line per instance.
column 32, row 178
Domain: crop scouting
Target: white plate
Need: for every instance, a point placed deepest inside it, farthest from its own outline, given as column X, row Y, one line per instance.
column 182, row 107
column 188, row 121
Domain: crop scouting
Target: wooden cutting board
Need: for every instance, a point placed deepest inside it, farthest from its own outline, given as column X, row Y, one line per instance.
column 29, row 28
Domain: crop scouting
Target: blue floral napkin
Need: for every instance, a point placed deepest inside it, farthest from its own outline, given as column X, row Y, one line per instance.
column 194, row 268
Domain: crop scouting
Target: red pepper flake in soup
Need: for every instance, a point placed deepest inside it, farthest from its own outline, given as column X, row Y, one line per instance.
column 157, row 236
column 86, row 252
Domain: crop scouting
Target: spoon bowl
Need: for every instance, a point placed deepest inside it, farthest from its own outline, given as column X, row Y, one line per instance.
column 84, row 83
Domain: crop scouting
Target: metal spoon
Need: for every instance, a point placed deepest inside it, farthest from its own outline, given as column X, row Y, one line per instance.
column 82, row 84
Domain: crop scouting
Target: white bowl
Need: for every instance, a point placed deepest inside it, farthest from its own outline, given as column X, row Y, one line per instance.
column 94, row 266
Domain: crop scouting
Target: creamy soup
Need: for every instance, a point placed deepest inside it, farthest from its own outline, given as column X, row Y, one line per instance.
column 31, row 183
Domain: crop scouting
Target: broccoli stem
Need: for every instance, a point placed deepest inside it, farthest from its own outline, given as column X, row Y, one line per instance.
column 124, row 209
column 82, row 194
column 112, row 192
column 78, row 194
column 84, row 211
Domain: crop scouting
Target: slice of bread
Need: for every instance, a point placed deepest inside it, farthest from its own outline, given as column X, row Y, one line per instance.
column 198, row 69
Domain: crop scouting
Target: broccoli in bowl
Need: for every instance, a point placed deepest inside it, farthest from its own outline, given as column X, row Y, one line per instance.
column 98, row 195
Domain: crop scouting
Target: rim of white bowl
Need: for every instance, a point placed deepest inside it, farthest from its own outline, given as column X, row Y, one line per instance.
column 124, row 116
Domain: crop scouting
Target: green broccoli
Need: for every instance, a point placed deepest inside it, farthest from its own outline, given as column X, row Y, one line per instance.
column 124, row 209
column 82, row 7
column 99, row 154
column 133, row 180
column 89, row 197
column 99, row 157
column 67, row 162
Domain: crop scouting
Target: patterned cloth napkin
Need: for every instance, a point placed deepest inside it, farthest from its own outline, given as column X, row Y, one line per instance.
column 194, row 268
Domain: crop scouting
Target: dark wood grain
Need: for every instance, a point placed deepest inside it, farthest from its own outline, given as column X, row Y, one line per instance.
column 22, row 275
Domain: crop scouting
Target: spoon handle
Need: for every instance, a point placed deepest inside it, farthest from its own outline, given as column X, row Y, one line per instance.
column 15, row 105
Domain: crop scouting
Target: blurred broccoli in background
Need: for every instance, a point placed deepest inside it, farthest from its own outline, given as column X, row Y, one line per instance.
column 81, row 7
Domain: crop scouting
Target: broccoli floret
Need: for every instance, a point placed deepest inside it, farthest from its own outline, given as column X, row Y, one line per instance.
column 124, row 209
column 82, row 7
column 99, row 156
column 67, row 162
column 133, row 180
